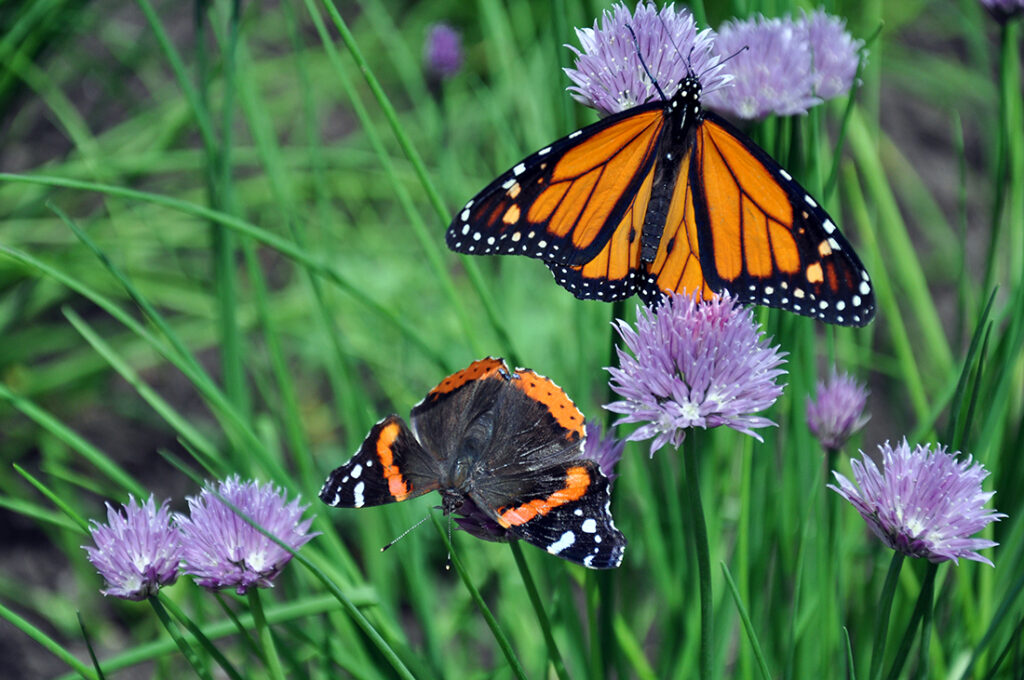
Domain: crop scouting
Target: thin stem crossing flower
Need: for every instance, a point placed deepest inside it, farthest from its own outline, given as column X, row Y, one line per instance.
column 222, row 550
column 137, row 551
column 922, row 503
column 694, row 364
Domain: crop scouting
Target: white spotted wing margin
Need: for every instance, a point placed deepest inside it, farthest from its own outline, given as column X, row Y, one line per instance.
column 389, row 466
column 581, row 530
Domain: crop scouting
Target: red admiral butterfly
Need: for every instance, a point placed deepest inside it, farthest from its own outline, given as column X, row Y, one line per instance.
column 501, row 444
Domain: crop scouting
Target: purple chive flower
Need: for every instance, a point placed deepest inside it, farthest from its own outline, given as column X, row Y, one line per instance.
column 922, row 503
column 608, row 75
column 833, row 54
column 137, row 551
column 837, row 411
column 442, row 51
column 222, row 550
column 605, row 451
column 694, row 365
column 771, row 64
column 1003, row 10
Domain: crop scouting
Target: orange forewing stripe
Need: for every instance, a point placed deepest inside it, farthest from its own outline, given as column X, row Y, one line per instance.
column 480, row 368
column 787, row 257
column 597, row 149
column 547, row 202
column 756, row 246
column 397, row 486
column 621, row 255
column 754, row 179
column 568, row 212
column 577, row 480
column 722, row 197
column 615, row 180
column 543, row 390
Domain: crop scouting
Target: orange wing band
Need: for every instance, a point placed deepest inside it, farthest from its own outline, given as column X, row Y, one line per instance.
column 397, row 486
column 750, row 214
column 577, row 480
column 558, row 403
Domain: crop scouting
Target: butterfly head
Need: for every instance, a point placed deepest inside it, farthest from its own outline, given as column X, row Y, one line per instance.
column 686, row 100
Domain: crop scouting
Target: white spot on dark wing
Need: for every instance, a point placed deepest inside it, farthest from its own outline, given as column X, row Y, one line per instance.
column 357, row 495
column 544, row 151
column 465, row 228
column 810, row 201
column 564, row 541
column 356, row 471
column 576, row 134
column 841, row 305
column 510, row 182
column 519, row 169
column 578, row 512
column 834, row 244
column 588, row 561
column 785, row 174
column 589, row 525
column 465, row 216
column 864, row 288
column 856, row 301
column 476, row 235
column 829, row 227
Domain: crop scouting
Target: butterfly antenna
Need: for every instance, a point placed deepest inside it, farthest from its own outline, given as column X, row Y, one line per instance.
column 404, row 534
column 636, row 44
column 448, row 560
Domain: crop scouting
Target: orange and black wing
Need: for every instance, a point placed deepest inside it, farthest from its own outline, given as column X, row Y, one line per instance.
column 617, row 271
column 763, row 238
column 563, row 203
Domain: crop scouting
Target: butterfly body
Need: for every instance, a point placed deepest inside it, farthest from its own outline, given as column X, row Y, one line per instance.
column 504, row 447
column 668, row 197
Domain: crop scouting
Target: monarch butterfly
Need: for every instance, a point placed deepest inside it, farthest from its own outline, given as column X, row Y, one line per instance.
column 668, row 197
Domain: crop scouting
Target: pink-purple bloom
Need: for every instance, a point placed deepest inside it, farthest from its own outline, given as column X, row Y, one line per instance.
column 608, row 74
column 605, row 450
column 694, row 364
column 771, row 63
column 922, row 503
column 137, row 551
column 834, row 54
column 442, row 51
column 837, row 410
column 222, row 550
column 1002, row 10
